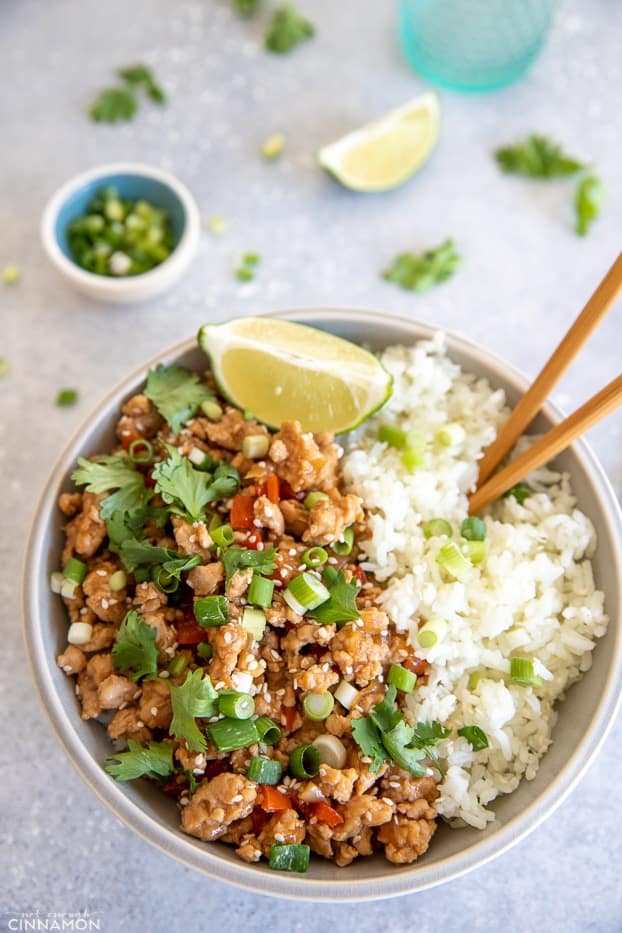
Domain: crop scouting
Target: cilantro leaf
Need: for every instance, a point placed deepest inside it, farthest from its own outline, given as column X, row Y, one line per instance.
column 537, row 157
column 475, row 736
column 154, row 759
column 368, row 739
column 429, row 733
column 385, row 715
column 239, row 558
column 195, row 697
column 396, row 741
column 419, row 272
column 134, row 650
column 190, row 490
column 176, row 393
column 113, row 471
column 113, row 104
column 287, row 30
column 588, row 202
column 129, row 525
column 135, row 553
column 340, row 607
column 142, row 77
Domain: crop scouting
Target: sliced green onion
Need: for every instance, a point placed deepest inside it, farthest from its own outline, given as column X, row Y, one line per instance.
column 235, row 705
column 178, row 665
column 522, row 672
column 211, row 611
column 332, row 751
column 211, row 410
column 222, row 536
column 251, row 259
column 66, row 397
column 260, row 591
column 273, row 146
column 68, row 589
column 75, row 570
column 305, row 592
column 401, row 678
column 117, row 581
column 414, row 454
column 200, row 459
column 346, row 694
column 4, row 366
column 56, row 581
column 450, row 435
column 229, row 734
column 205, row 650
column 394, row 437
column 255, row 446
column 344, row 546
column 217, row 225
column 477, row 551
column 264, row 770
column 11, row 274
column 291, row 857
column 318, row 706
column 79, row 633
column 140, row 451
column 304, row 761
column 165, row 581
column 314, row 557
column 312, row 498
column 267, row 730
column 244, row 274
column 248, row 415
column 254, row 621
column 432, row 632
column 451, row 559
column 473, row 529
column 476, row 736
column 520, row 492
column 483, row 674
column 436, row 527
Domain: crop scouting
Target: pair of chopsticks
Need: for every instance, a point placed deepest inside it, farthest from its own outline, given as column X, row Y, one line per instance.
column 562, row 435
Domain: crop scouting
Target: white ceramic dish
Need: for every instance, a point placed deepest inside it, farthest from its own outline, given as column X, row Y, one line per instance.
column 134, row 181
column 585, row 716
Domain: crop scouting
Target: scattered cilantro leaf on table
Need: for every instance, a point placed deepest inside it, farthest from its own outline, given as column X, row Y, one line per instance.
column 134, row 651
column 537, row 157
column 588, row 202
column 239, row 558
column 187, row 490
column 140, row 76
column 340, row 607
column 196, row 697
column 176, row 393
column 287, row 30
column 419, row 272
column 113, row 105
column 246, row 8
column 154, row 759
column 66, row 397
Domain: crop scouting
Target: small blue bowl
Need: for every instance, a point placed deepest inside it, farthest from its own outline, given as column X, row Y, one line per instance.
column 133, row 181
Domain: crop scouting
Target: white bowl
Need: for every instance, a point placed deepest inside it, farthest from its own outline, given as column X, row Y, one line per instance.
column 135, row 181
column 585, row 716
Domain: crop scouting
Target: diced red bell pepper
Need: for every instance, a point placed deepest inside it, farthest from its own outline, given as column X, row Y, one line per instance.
column 325, row 813
column 149, row 480
column 285, row 490
column 259, row 818
column 272, row 800
column 417, row 665
column 254, row 539
column 289, row 714
column 272, row 488
column 242, row 514
column 128, row 439
column 189, row 633
column 216, row 767
column 359, row 574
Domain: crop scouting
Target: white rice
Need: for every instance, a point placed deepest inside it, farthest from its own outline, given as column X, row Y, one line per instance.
column 534, row 595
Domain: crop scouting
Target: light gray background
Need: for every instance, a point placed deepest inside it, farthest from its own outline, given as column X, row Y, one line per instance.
column 524, row 279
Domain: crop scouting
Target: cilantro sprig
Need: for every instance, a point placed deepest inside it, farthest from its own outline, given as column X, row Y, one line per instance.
column 176, row 393
column 154, row 760
column 187, row 490
column 195, row 698
column 113, row 471
column 340, row 607
column 115, row 104
column 287, row 30
column 134, row 651
column 161, row 564
column 417, row 272
column 537, row 157
column 588, row 202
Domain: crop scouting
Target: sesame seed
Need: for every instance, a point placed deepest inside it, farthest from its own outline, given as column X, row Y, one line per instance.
column 333, row 560
column 227, row 638
column 140, row 724
column 136, row 695
column 104, row 603
column 238, row 799
column 257, row 522
column 100, row 573
column 113, row 602
column 394, row 784
column 281, row 692
column 275, row 654
column 260, row 546
column 292, row 552
column 268, row 696
column 283, row 572
column 279, row 837
column 123, row 705
column 387, row 800
column 84, row 611
column 67, row 668
column 326, row 667
column 184, row 802
column 220, row 685
column 164, row 674
column 154, row 710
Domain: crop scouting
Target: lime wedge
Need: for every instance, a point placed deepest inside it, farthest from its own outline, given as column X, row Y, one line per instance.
column 282, row 371
column 384, row 154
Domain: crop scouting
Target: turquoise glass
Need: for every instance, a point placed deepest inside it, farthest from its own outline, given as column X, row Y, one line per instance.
column 473, row 45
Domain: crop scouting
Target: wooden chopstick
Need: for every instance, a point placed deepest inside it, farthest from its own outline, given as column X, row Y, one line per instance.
column 548, row 446
column 531, row 403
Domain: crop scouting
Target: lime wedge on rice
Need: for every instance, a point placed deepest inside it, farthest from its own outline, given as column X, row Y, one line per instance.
column 384, row 154
column 282, row 371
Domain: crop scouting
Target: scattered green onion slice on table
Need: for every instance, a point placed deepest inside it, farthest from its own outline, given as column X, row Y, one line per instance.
column 432, row 632
column 74, row 570
column 473, row 529
column 268, row 731
column 451, row 559
column 235, row 705
column 222, row 535
column 260, row 591
column 344, row 546
column 314, row 557
column 522, row 672
column 312, row 498
column 264, row 770
column 436, row 527
column 401, row 678
column 140, row 451
column 304, row 761
column 210, row 611
column 318, row 706
column 229, row 734
column 305, row 592
column 293, row 857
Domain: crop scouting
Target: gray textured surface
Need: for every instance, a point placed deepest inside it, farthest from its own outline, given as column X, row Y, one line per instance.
column 525, row 276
